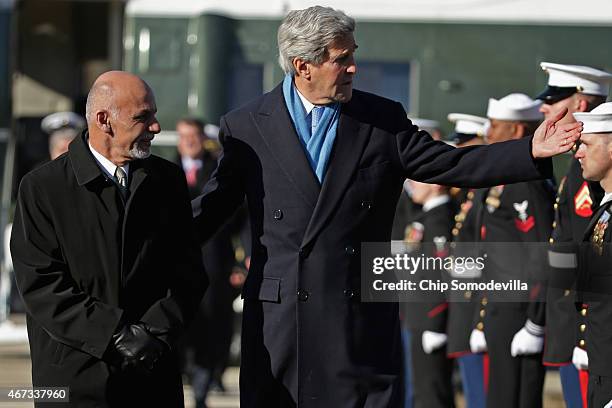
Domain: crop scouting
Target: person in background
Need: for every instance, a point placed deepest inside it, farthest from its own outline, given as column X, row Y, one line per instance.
column 407, row 209
column 197, row 153
column 516, row 215
column 426, row 318
column 470, row 130
column 579, row 89
column 62, row 128
column 206, row 346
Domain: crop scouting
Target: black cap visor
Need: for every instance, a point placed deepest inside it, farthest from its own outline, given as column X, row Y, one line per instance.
column 554, row 94
column 460, row 138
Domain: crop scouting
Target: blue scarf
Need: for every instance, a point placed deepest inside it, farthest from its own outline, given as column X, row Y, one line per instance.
column 319, row 145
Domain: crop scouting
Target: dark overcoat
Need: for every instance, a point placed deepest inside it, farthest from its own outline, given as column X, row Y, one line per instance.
column 307, row 337
column 86, row 259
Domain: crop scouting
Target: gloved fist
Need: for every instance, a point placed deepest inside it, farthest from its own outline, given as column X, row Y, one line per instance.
column 432, row 341
column 137, row 348
column 478, row 343
column 580, row 359
column 528, row 340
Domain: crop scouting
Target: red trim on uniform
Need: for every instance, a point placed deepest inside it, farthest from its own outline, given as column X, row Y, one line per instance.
column 437, row 310
column 483, row 231
column 547, row 364
column 535, row 292
column 485, row 371
column 457, row 354
column 524, row 226
column 583, row 376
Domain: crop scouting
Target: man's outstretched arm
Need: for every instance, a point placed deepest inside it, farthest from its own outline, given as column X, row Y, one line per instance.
column 426, row 160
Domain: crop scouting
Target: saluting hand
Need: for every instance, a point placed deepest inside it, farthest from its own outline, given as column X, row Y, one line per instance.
column 551, row 139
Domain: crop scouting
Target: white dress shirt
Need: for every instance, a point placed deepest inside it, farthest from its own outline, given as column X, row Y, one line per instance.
column 108, row 166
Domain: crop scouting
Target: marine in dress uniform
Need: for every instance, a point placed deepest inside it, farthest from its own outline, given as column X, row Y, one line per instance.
column 580, row 89
column 469, row 130
column 426, row 319
column 595, row 280
column 513, row 213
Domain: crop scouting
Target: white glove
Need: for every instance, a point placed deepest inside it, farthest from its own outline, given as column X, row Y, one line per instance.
column 432, row 341
column 608, row 405
column 580, row 359
column 478, row 343
column 528, row 340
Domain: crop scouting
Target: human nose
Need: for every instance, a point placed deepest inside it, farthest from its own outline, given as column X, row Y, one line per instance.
column 580, row 152
column 352, row 67
column 155, row 127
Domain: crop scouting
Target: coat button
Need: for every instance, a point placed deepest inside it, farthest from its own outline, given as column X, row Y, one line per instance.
column 567, row 292
column 303, row 295
column 349, row 250
column 349, row 293
column 278, row 214
column 366, row 205
column 304, row 252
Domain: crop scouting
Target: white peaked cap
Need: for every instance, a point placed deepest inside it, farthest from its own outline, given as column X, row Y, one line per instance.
column 588, row 80
column 599, row 120
column 425, row 123
column 468, row 124
column 516, row 106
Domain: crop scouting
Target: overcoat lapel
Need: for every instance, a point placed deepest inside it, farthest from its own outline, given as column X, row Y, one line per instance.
column 276, row 128
column 348, row 148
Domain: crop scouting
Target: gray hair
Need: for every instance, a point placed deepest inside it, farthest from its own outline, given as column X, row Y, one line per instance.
column 100, row 96
column 307, row 33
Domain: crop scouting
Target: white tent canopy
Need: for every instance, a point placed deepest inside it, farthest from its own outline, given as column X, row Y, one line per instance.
column 595, row 12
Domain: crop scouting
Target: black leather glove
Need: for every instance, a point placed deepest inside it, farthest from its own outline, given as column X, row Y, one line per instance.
column 136, row 348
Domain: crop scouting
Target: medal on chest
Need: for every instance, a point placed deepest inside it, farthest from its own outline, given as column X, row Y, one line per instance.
column 599, row 232
column 493, row 200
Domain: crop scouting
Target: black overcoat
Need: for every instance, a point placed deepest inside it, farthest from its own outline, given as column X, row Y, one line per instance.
column 86, row 260
column 307, row 337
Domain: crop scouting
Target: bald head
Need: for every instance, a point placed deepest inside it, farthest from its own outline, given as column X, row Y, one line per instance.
column 109, row 87
column 120, row 116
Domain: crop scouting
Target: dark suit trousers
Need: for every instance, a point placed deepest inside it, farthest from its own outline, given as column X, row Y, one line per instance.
column 514, row 382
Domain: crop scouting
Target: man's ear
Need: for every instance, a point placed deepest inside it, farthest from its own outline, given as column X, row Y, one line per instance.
column 103, row 122
column 519, row 130
column 302, row 68
column 582, row 105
